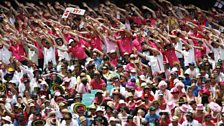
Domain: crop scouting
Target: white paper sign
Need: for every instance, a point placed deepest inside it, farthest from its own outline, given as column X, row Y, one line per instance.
column 73, row 11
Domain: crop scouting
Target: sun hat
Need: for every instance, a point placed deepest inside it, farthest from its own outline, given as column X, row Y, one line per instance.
column 99, row 109
column 214, row 107
column 112, row 119
column 174, row 90
column 184, row 108
column 82, row 119
column 7, row 118
column 162, row 83
column 139, row 103
column 79, row 107
column 171, row 105
column 174, row 118
column 38, row 122
column 200, row 107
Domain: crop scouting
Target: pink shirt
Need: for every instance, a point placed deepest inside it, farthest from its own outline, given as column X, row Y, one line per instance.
column 96, row 43
column 199, row 53
column 67, row 37
column 82, row 89
column 77, row 51
column 171, row 56
column 18, row 51
column 129, row 66
column 125, row 45
column 114, row 62
column 137, row 43
column 97, row 84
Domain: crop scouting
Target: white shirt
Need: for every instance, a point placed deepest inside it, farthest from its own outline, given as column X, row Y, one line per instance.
column 156, row 63
column 193, row 73
column 166, row 94
column 33, row 56
column 217, row 53
column 178, row 46
column 73, row 123
column 188, row 56
column 49, row 55
column 193, row 123
column 5, row 55
column 63, row 54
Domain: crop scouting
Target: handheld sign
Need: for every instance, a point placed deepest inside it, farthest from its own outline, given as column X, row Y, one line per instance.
column 73, row 11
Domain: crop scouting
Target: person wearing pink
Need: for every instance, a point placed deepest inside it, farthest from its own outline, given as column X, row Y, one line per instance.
column 124, row 43
column 170, row 54
column 17, row 50
column 97, row 82
column 96, row 42
column 77, row 49
column 137, row 42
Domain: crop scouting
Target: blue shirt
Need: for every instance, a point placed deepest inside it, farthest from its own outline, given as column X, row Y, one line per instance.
column 187, row 82
column 151, row 118
column 196, row 90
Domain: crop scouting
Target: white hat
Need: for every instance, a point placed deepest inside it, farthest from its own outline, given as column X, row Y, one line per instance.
column 70, row 40
column 7, row 118
column 143, row 84
column 112, row 119
column 162, row 83
column 99, row 109
column 57, row 93
column 112, row 51
column 142, row 77
column 133, row 71
column 187, row 72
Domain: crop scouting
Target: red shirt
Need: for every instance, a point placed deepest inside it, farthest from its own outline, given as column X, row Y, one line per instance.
column 132, row 124
column 171, row 56
column 18, row 51
column 97, row 84
column 137, row 43
column 77, row 51
column 96, row 43
column 125, row 45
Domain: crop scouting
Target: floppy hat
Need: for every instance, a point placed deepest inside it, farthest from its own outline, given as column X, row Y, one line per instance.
column 214, row 107
column 162, row 83
column 184, row 108
column 200, row 107
column 171, row 105
column 7, row 118
column 79, row 107
column 38, row 122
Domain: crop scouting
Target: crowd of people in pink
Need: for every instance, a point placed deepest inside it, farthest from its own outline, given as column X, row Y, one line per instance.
column 158, row 65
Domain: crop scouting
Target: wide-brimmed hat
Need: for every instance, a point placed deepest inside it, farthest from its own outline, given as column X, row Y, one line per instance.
column 214, row 107
column 79, row 107
column 139, row 103
column 162, row 83
column 184, row 108
column 171, row 105
column 200, row 107
column 174, row 118
column 99, row 109
column 82, row 119
column 110, row 105
column 38, row 122
column 7, row 118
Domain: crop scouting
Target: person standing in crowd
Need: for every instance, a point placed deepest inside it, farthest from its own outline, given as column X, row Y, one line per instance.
column 129, row 64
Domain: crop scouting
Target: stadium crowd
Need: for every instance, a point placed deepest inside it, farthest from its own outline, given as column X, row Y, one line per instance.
column 132, row 66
